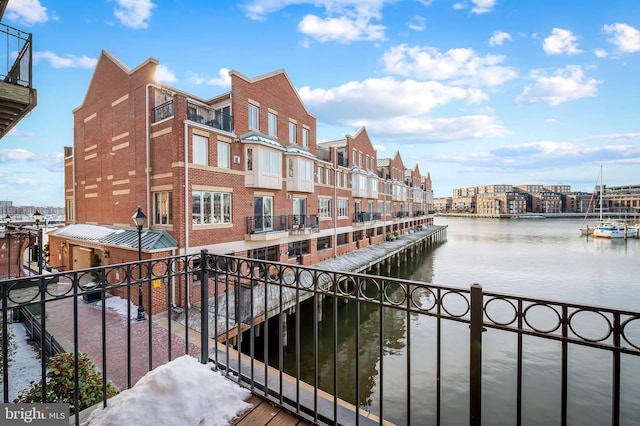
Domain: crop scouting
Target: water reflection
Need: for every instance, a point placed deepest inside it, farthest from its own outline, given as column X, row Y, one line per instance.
column 547, row 260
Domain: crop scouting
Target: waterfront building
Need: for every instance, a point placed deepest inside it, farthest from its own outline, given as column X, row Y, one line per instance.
column 501, row 203
column 240, row 173
column 442, row 204
column 578, row 202
column 546, row 202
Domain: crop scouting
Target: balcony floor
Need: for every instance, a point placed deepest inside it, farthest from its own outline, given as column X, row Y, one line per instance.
column 263, row 413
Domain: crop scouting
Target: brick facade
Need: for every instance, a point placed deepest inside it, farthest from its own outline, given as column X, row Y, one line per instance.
column 236, row 183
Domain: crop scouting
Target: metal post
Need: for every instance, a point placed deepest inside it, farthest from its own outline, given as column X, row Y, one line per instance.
column 475, row 349
column 204, row 311
column 39, row 251
column 141, row 316
column 139, row 218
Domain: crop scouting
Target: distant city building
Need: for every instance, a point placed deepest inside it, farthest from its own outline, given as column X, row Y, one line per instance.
column 503, row 199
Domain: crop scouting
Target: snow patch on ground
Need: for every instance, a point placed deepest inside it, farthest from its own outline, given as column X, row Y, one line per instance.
column 181, row 392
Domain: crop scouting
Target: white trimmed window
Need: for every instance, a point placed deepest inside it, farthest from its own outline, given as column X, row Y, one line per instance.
column 162, row 208
column 324, row 207
column 270, row 162
column 200, row 150
column 210, row 207
column 343, row 208
column 293, row 130
column 253, row 117
column 273, row 125
column 305, row 137
column 224, row 155
column 320, row 174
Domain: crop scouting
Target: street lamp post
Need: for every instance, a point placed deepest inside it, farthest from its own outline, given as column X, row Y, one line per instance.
column 139, row 218
column 6, row 230
column 37, row 216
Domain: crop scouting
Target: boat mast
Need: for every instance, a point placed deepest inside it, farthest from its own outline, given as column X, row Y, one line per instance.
column 601, row 194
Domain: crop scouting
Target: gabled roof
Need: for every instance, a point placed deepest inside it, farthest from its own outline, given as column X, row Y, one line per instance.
column 115, row 236
column 270, row 75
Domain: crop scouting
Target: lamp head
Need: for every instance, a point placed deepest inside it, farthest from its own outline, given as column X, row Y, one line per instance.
column 139, row 218
column 37, row 216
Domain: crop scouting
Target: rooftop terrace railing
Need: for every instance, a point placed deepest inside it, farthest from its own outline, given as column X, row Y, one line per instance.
column 18, row 56
column 388, row 322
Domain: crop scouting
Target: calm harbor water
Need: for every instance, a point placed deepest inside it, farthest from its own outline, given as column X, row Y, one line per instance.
column 543, row 258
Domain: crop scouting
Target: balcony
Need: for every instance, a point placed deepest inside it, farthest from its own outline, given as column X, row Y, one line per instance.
column 211, row 117
column 303, row 224
column 17, row 96
column 267, row 228
column 363, row 217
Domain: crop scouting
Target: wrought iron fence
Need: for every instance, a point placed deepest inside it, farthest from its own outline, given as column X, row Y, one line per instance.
column 257, row 308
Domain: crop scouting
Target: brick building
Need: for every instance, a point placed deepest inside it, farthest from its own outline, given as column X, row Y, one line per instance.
column 240, row 173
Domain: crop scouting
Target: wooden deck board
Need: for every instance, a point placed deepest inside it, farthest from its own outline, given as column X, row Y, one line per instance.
column 263, row 413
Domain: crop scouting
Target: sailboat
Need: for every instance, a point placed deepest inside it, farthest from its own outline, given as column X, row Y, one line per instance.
column 609, row 229
column 584, row 228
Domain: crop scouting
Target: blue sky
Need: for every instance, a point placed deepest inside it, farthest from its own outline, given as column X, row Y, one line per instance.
column 475, row 92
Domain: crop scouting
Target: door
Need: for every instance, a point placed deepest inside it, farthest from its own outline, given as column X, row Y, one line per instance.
column 263, row 213
column 299, row 212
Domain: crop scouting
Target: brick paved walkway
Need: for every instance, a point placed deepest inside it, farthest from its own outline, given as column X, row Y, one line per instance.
column 60, row 324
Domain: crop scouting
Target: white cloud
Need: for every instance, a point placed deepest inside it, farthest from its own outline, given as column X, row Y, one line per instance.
column 164, row 75
column 344, row 21
column 459, row 6
column 498, row 38
column 397, row 110
column 461, row 66
column 134, row 13
column 27, row 11
column 17, row 154
column 425, row 130
column 566, row 84
column 601, row 53
column 52, row 161
column 380, row 148
column 223, row 79
column 482, row 6
column 381, row 99
column 343, row 29
column 625, row 37
column 561, row 41
column 417, row 23
column 70, row 61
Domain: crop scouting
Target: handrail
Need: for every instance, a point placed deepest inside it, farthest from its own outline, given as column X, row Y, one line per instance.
column 243, row 293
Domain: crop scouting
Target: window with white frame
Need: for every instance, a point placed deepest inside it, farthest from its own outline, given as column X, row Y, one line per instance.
column 224, row 155
column 324, row 207
column 270, row 162
column 272, row 124
column 328, row 179
column 320, row 174
column 200, row 149
column 343, row 208
column 338, row 178
column 210, row 207
column 305, row 137
column 306, row 169
column 162, row 208
column 293, row 130
column 253, row 117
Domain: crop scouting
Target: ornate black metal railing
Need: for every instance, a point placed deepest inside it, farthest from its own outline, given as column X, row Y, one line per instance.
column 163, row 111
column 243, row 293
